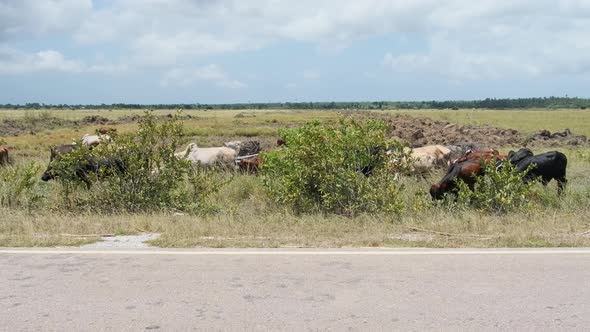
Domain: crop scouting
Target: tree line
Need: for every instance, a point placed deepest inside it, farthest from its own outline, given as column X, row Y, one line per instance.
column 488, row 103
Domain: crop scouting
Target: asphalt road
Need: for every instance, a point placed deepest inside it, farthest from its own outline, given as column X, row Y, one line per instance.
column 244, row 290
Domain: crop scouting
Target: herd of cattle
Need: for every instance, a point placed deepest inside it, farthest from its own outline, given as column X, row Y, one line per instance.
column 461, row 164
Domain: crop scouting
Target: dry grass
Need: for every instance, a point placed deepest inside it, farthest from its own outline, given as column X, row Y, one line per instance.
column 469, row 229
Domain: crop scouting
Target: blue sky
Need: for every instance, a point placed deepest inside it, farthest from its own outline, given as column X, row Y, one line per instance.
column 229, row 51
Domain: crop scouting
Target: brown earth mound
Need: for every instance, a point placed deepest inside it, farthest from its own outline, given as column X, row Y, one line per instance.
column 564, row 137
column 33, row 124
column 425, row 131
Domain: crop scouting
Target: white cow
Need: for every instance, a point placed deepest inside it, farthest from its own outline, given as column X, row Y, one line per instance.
column 436, row 155
column 428, row 157
column 236, row 145
column 208, row 156
column 94, row 140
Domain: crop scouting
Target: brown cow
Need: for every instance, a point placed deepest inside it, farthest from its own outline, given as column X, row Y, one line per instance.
column 106, row 130
column 3, row 155
column 487, row 155
column 249, row 165
column 467, row 171
column 466, row 168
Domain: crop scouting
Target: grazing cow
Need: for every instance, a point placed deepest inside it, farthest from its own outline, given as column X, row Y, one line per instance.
column 427, row 157
column 107, row 130
column 82, row 167
column 487, row 155
column 459, row 149
column 466, row 168
column 94, row 140
column 3, row 155
column 244, row 148
column 546, row 166
column 249, row 164
column 208, row 156
column 467, row 171
column 376, row 157
column 440, row 154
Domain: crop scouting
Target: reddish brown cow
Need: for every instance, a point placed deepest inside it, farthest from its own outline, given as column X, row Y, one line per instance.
column 487, row 155
column 249, row 165
column 467, row 171
column 466, row 168
column 106, row 130
column 3, row 155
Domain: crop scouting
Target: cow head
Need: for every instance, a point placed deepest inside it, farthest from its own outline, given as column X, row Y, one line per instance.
column 47, row 175
column 236, row 145
column 515, row 157
column 56, row 152
column 436, row 192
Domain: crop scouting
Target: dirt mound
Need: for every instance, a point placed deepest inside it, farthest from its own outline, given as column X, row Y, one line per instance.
column 30, row 125
column 96, row 119
column 425, row 131
column 564, row 137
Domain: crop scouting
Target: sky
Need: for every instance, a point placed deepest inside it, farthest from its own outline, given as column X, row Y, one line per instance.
column 233, row 51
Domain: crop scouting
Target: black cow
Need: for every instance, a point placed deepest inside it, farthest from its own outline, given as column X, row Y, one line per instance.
column 376, row 158
column 82, row 168
column 546, row 166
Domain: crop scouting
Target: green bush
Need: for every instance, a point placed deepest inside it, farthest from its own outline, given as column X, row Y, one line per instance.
column 19, row 187
column 152, row 179
column 319, row 170
column 499, row 190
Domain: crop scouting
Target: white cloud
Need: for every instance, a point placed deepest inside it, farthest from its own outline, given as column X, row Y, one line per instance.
column 210, row 73
column 167, row 49
column 39, row 17
column 460, row 39
column 14, row 62
column 311, row 74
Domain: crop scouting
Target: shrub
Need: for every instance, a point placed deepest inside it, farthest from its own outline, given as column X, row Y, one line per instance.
column 19, row 187
column 320, row 170
column 500, row 189
column 152, row 179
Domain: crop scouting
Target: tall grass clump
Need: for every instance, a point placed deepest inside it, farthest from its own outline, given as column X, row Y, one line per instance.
column 19, row 187
column 324, row 167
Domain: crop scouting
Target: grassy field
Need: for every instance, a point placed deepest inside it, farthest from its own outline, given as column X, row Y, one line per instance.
column 248, row 218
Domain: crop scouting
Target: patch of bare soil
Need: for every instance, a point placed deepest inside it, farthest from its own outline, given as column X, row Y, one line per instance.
column 31, row 125
column 564, row 137
column 35, row 124
column 425, row 131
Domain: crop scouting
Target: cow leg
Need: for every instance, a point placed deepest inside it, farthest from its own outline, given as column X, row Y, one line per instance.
column 561, row 182
column 82, row 176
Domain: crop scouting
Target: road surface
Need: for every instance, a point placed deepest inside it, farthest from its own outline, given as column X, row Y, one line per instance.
column 294, row 290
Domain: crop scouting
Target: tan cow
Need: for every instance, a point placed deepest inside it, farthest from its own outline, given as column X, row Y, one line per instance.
column 426, row 158
column 438, row 155
column 208, row 156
